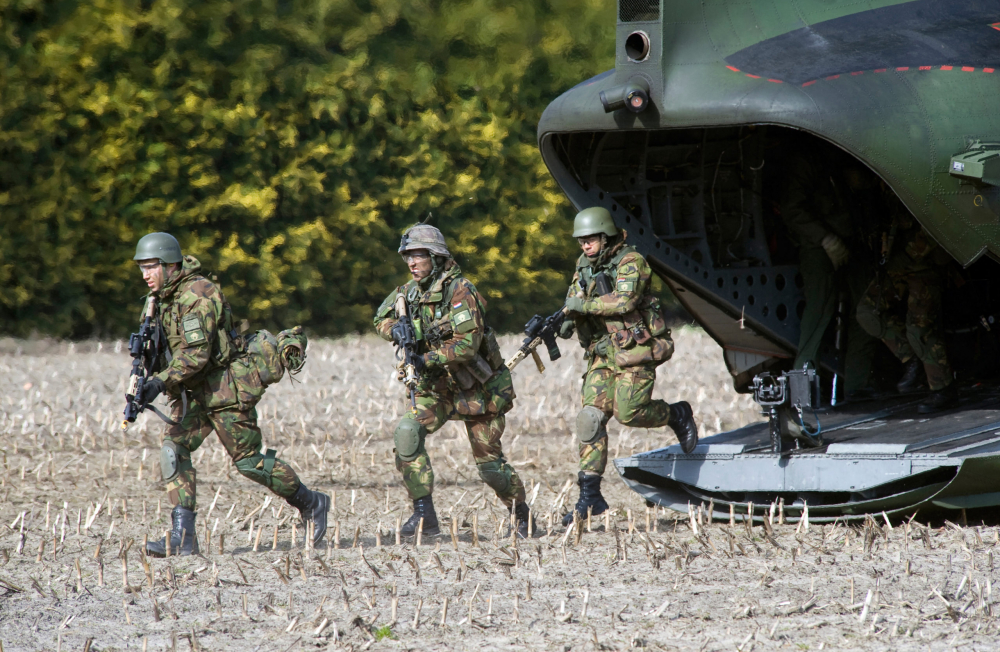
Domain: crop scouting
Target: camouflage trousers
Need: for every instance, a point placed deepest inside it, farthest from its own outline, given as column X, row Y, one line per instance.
column 239, row 434
column 920, row 333
column 626, row 394
column 484, row 432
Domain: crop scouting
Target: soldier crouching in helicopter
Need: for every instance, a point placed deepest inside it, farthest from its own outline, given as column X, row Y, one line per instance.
column 913, row 272
column 620, row 324
column 459, row 375
column 202, row 371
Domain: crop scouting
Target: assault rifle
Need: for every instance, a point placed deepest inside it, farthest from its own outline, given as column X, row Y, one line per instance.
column 540, row 330
column 144, row 349
column 406, row 344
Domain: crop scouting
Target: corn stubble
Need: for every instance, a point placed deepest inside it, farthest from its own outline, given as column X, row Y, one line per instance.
column 78, row 497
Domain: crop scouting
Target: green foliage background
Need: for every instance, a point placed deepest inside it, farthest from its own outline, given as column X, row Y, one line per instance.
column 286, row 143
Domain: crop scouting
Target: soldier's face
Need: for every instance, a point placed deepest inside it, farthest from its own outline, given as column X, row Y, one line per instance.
column 152, row 273
column 590, row 244
column 419, row 263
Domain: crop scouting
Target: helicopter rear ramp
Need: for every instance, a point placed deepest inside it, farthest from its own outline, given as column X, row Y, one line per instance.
column 878, row 456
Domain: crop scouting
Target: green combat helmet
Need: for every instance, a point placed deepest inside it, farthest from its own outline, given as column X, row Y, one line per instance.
column 424, row 236
column 594, row 220
column 158, row 245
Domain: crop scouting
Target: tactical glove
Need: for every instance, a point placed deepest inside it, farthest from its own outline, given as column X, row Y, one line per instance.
column 396, row 333
column 419, row 364
column 574, row 305
column 151, row 389
column 836, row 250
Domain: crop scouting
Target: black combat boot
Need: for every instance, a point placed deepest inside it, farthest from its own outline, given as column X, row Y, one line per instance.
column 312, row 506
column 912, row 379
column 590, row 496
column 522, row 513
column 422, row 508
column 939, row 400
column 183, row 528
column 681, row 421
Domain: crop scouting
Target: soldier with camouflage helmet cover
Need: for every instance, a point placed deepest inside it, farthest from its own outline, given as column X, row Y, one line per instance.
column 620, row 324
column 461, row 372
column 200, row 371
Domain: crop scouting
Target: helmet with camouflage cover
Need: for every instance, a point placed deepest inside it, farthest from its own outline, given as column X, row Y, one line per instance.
column 158, row 245
column 424, row 236
column 593, row 221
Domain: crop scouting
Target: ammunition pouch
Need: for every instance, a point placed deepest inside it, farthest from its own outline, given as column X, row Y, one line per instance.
column 409, row 438
column 497, row 475
column 174, row 459
column 258, row 467
column 264, row 360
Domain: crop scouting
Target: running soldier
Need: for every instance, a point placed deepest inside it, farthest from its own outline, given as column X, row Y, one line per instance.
column 620, row 324
column 461, row 373
column 200, row 372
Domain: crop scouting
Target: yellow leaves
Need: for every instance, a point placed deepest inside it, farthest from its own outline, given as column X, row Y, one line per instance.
column 344, row 192
column 256, row 200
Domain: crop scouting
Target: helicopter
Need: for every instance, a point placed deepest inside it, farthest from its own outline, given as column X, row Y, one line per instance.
column 688, row 142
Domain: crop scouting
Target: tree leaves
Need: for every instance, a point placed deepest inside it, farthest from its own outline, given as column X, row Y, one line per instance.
column 286, row 143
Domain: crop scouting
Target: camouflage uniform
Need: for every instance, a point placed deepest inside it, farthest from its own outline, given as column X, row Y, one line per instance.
column 913, row 273
column 813, row 207
column 197, row 322
column 625, row 338
column 465, row 379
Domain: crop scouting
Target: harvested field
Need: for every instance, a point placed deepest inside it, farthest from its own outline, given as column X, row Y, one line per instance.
column 78, row 496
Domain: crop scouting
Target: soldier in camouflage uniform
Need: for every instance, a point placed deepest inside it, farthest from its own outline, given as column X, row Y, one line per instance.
column 620, row 323
column 913, row 272
column 461, row 372
column 816, row 208
column 200, row 375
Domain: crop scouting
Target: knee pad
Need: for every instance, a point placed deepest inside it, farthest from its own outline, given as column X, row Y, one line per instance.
column 174, row 458
column 496, row 475
column 409, row 438
column 914, row 335
column 870, row 320
column 258, row 467
column 589, row 424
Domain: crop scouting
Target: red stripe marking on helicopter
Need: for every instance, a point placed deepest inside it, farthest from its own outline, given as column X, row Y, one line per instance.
column 775, row 81
column 903, row 68
column 809, row 83
column 753, row 76
column 733, row 69
column 926, row 67
column 968, row 69
column 859, row 72
column 946, row 67
column 833, row 77
column 996, row 26
column 880, row 69
column 987, row 69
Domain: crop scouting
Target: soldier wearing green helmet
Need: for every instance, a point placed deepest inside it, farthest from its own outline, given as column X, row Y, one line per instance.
column 461, row 372
column 621, row 326
column 201, row 370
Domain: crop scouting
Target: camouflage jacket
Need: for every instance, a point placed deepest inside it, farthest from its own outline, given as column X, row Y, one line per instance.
column 459, row 349
column 813, row 205
column 628, row 321
column 196, row 321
